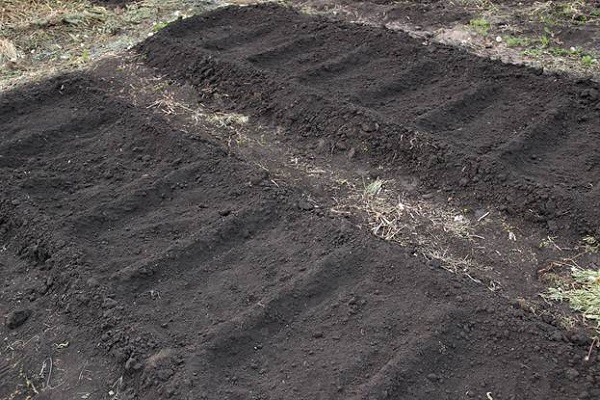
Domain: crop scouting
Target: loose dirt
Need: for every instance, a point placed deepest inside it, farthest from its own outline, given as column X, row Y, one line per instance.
column 502, row 133
column 153, row 262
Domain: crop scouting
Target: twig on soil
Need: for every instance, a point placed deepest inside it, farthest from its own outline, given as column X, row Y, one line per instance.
column 471, row 278
column 589, row 354
column 82, row 370
column 49, row 375
column 483, row 216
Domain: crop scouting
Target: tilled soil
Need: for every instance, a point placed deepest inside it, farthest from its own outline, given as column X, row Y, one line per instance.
column 500, row 133
column 151, row 263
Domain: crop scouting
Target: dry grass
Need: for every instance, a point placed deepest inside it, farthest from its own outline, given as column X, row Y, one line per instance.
column 40, row 38
column 581, row 291
column 576, row 285
column 430, row 229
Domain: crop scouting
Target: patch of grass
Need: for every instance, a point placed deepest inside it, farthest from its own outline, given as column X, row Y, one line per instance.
column 559, row 51
column 587, row 60
column 583, row 294
column 373, row 188
column 159, row 26
column 480, row 25
column 513, row 41
column 56, row 35
column 545, row 41
column 533, row 52
column 85, row 56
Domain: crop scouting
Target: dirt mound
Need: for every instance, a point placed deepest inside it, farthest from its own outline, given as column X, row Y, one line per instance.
column 478, row 129
column 152, row 264
column 153, row 261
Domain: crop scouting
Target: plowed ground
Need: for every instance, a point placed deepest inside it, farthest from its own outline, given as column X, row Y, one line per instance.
column 492, row 131
column 157, row 264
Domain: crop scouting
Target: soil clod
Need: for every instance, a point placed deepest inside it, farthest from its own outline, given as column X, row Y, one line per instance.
column 17, row 318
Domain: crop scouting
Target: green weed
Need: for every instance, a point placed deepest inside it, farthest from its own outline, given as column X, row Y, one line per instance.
column 560, row 52
column 85, row 55
column 587, row 60
column 545, row 41
column 159, row 26
column 533, row 52
column 480, row 25
column 513, row 41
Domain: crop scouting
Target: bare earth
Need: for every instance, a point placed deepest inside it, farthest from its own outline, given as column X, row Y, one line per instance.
column 259, row 204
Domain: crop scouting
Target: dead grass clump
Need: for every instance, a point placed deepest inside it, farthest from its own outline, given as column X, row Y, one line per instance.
column 49, row 36
column 580, row 288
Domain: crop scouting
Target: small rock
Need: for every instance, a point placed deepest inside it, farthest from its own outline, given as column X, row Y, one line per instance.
column 318, row 335
column 579, row 339
column 256, row 180
column 132, row 365
column 591, row 94
column 109, row 303
column 369, row 126
column 322, row 145
column 93, row 282
column 17, row 318
column 571, row 373
column 432, row 377
column 556, row 336
column 305, row 205
column 224, row 213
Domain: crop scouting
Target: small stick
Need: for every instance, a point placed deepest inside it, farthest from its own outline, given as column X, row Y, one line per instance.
column 82, row 369
column 483, row 216
column 589, row 354
column 49, row 375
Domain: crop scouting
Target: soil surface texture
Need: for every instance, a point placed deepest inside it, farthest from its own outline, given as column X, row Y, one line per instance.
column 144, row 261
column 506, row 134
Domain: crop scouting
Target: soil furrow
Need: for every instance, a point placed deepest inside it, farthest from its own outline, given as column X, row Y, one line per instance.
column 440, row 101
column 142, row 260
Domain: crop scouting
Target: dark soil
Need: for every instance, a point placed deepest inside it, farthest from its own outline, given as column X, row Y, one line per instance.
column 478, row 129
column 429, row 13
column 153, row 264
